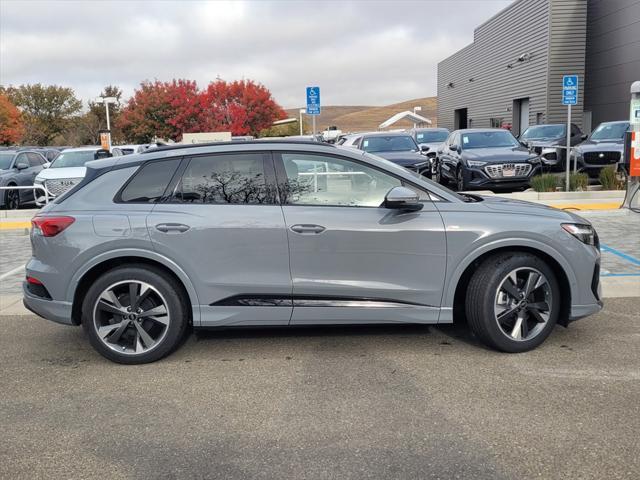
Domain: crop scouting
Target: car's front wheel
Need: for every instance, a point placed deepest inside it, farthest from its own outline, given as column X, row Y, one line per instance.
column 134, row 314
column 12, row 199
column 513, row 302
column 461, row 183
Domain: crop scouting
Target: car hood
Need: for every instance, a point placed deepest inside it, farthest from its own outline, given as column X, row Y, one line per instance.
column 499, row 155
column 65, row 172
column 432, row 146
column 544, row 142
column 510, row 205
column 403, row 158
column 601, row 146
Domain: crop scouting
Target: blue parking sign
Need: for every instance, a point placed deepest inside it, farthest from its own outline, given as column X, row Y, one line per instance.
column 569, row 89
column 313, row 100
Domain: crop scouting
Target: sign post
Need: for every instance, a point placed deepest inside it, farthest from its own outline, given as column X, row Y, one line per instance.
column 569, row 97
column 313, row 104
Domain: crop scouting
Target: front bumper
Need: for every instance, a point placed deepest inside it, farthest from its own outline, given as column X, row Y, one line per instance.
column 477, row 178
column 54, row 310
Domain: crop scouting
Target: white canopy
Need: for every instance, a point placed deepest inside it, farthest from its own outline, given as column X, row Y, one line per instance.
column 408, row 115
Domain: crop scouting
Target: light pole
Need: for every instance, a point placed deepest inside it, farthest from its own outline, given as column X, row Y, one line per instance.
column 107, row 101
column 416, row 109
column 302, row 110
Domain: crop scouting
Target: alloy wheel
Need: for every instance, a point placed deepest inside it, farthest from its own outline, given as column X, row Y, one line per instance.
column 12, row 200
column 131, row 317
column 523, row 304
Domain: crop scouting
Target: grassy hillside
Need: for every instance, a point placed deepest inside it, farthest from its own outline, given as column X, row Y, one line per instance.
column 362, row 118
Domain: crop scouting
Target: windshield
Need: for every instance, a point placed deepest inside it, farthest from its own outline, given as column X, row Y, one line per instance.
column 433, row 136
column 73, row 159
column 5, row 160
column 490, row 139
column 544, row 131
column 392, row 143
column 610, row 131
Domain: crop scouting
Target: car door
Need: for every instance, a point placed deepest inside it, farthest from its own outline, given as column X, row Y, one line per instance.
column 351, row 260
column 222, row 224
column 449, row 156
column 22, row 177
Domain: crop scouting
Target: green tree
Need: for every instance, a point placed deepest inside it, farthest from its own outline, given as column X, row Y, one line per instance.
column 47, row 111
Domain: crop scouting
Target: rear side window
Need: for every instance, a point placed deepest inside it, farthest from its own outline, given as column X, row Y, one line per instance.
column 149, row 182
column 35, row 160
column 237, row 178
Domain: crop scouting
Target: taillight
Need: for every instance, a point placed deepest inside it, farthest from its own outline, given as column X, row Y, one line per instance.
column 33, row 281
column 51, row 226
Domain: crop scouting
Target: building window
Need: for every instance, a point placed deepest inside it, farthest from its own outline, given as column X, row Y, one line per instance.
column 539, row 118
column 496, row 122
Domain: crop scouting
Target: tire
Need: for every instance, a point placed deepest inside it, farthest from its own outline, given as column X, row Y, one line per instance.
column 489, row 292
column 438, row 178
column 119, row 334
column 461, row 183
column 12, row 199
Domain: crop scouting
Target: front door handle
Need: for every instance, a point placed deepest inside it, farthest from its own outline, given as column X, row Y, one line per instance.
column 172, row 227
column 307, row 229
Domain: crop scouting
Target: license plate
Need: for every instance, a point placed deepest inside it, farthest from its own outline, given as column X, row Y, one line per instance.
column 509, row 171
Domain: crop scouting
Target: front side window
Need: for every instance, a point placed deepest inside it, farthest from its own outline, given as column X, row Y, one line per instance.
column 150, row 182
column 35, row 160
column 332, row 181
column 237, row 178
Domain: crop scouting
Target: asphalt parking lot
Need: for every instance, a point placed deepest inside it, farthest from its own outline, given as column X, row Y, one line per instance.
column 385, row 402
column 374, row 402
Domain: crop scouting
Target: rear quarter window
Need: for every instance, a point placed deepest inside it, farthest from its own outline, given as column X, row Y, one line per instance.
column 149, row 183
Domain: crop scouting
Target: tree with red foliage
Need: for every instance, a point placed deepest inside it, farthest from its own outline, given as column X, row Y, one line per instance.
column 163, row 110
column 11, row 125
column 243, row 107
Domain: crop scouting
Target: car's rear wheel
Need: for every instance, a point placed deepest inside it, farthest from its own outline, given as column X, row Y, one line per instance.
column 12, row 199
column 461, row 184
column 134, row 314
column 513, row 302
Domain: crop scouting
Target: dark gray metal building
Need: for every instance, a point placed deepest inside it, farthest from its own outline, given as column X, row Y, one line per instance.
column 511, row 75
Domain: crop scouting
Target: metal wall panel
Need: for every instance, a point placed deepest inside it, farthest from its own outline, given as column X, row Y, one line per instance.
column 612, row 57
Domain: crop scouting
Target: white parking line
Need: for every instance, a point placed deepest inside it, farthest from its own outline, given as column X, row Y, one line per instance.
column 12, row 272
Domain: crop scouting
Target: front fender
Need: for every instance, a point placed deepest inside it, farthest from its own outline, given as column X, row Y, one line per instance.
column 453, row 277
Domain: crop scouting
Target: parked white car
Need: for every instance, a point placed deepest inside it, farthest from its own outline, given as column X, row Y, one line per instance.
column 66, row 171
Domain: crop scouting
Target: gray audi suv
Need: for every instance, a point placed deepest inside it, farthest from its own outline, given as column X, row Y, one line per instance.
column 260, row 233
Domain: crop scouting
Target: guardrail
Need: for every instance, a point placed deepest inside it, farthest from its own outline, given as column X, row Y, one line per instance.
column 29, row 187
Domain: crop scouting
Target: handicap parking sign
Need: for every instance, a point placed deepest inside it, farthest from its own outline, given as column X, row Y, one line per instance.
column 569, row 89
column 313, row 100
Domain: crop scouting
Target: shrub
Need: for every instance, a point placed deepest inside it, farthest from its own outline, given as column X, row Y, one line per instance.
column 546, row 182
column 577, row 182
column 609, row 179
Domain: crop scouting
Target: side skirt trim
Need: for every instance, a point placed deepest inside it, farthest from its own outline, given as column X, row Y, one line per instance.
column 311, row 301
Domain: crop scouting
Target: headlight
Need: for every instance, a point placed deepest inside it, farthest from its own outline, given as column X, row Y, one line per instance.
column 585, row 233
column 475, row 163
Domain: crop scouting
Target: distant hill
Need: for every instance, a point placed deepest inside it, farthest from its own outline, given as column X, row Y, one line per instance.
column 363, row 118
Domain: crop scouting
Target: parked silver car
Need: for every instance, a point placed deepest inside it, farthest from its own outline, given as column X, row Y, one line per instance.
column 297, row 233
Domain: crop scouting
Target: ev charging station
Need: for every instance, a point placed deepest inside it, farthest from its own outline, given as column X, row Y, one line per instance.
column 632, row 152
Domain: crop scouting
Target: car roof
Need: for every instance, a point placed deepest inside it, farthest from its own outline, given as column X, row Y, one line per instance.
column 443, row 129
column 614, row 121
column 83, row 149
column 481, row 130
column 388, row 134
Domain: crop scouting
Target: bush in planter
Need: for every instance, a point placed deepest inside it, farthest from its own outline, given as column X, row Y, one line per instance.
column 546, row 182
column 609, row 179
column 577, row 182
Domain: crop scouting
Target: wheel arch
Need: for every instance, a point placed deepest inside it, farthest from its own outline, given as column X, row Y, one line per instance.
column 454, row 295
column 83, row 279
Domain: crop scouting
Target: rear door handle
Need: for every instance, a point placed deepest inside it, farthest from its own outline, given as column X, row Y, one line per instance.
column 172, row 227
column 306, row 229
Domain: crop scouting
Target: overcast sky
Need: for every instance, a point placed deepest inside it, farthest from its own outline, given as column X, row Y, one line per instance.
column 359, row 53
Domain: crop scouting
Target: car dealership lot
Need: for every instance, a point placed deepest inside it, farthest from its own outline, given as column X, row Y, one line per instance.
column 368, row 402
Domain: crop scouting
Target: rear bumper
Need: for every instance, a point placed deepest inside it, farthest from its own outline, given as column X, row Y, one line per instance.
column 54, row 310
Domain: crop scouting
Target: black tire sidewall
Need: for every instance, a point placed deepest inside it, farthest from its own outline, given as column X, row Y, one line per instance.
column 490, row 274
column 169, row 290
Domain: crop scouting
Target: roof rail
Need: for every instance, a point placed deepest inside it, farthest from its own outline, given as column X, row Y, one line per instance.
column 244, row 142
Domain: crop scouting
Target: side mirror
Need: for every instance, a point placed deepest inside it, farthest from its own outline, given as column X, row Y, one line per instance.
column 402, row 198
column 46, row 165
column 584, row 136
column 424, row 148
column 455, row 148
column 21, row 166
